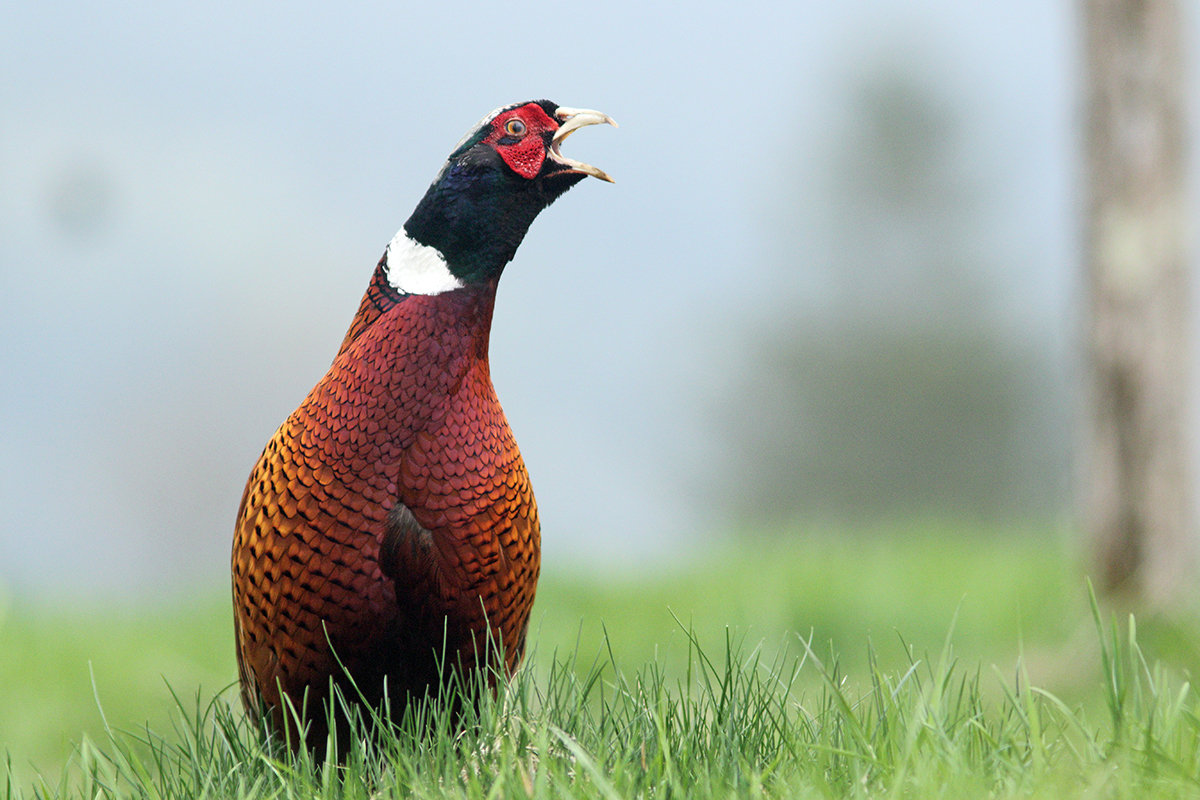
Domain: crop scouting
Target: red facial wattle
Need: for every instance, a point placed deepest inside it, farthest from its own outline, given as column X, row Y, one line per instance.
column 525, row 157
column 526, row 153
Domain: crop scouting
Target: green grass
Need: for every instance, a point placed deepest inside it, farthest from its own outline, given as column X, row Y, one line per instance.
column 730, row 726
column 809, row 666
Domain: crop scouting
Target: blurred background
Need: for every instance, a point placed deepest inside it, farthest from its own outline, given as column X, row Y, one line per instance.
column 835, row 292
column 836, row 274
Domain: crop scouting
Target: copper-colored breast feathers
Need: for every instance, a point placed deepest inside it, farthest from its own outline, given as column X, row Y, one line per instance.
column 389, row 516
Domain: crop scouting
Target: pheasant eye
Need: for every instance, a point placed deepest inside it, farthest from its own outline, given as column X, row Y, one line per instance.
column 514, row 127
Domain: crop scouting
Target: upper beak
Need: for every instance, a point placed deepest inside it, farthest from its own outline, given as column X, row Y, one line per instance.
column 572, row 120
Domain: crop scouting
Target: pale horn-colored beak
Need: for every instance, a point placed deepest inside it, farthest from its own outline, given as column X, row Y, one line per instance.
column 572, row 120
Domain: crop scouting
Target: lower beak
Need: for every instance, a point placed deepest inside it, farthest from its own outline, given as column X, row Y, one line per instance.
column 572, row 120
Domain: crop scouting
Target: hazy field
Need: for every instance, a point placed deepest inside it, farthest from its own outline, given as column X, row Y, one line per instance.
column 1004, row 593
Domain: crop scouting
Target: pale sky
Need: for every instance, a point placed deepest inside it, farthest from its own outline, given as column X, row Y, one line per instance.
column 193, row 196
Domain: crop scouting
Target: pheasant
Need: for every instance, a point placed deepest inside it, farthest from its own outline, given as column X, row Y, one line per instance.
column 389, row 529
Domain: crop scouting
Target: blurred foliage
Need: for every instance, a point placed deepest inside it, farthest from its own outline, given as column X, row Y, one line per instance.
column 50, row 656
column 865, row 423
column 842, row 586
column 905, row 382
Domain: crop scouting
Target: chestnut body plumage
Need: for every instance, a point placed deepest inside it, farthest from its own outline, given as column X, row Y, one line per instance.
column 390, row 521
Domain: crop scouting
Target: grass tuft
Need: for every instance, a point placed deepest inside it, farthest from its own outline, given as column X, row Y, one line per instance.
column 724, row 722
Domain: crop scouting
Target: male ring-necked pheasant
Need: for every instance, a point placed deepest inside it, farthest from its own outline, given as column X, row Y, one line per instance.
column 389, row 523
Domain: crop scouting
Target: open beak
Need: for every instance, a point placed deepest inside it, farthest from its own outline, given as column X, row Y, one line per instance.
column 572, row 120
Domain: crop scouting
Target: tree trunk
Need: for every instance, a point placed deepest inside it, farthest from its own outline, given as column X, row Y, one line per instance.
column 1138, row 495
